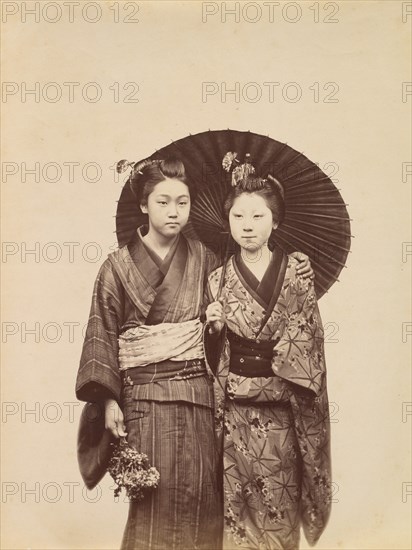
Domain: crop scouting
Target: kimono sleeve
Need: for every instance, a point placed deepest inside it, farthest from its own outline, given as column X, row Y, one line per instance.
column 299, row 354
column 299, row 359
column 98, row 375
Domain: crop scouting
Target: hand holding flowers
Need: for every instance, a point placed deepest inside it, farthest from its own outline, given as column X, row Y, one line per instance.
column 131, row 471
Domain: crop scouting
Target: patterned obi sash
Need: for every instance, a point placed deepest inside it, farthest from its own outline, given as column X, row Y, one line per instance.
column 149, row 344
column 165, row 370
column 250, row 358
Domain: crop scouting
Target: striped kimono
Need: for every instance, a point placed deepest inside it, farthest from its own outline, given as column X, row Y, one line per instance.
column 273, row 429
column 171, row 420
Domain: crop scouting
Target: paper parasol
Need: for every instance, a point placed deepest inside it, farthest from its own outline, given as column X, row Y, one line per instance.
column 316, row 221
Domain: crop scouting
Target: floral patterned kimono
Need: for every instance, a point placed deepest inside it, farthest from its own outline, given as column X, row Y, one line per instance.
column 144, row 348
column 271, row 403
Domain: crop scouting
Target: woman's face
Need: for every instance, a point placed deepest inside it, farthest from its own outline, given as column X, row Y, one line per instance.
column 168, row 208
column 251, row 221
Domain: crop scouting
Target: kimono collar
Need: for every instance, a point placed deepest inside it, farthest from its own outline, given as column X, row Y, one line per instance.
column 267, row 291
column 162, row 263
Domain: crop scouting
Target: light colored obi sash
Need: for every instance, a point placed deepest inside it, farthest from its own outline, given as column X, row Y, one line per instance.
column 147, row 344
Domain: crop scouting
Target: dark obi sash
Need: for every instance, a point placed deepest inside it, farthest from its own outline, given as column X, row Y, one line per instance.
column 250, row 358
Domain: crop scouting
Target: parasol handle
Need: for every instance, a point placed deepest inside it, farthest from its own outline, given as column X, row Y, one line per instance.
column 224, row 266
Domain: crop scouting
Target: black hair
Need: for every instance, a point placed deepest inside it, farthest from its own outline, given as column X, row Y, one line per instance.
column 148, row 173
column 269, row 189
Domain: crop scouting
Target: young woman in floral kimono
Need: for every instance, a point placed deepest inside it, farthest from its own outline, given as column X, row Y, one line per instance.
column 143, row 358
column 271, row 401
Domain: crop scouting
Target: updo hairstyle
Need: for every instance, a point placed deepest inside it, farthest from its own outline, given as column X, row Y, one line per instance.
column 269, row 189
column 148, row 173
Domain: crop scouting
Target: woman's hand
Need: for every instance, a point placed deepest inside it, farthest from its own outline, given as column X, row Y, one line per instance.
column 113, row 417
column 215, row 316
column 304, row 268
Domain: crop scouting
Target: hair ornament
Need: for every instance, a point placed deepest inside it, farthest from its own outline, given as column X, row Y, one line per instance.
column 239, row 171
column 123, row 165
column 139, row 166
column 228, row 161
column 276, row 185
column 136, row 169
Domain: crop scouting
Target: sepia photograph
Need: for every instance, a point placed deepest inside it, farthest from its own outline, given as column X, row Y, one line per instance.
column 206, row 275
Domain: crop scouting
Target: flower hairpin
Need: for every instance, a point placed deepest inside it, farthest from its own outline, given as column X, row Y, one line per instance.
column 239, row 171
column 123, row 165
column 228, row 161
column 136, row 167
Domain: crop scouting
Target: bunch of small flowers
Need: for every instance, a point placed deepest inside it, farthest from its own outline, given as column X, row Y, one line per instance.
column 131, row 471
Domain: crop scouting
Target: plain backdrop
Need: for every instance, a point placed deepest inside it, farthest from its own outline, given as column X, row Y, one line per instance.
column 164, row 56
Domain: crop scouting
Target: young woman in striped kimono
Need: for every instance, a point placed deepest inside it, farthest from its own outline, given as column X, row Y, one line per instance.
column 143, row 357
column 271, row 402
